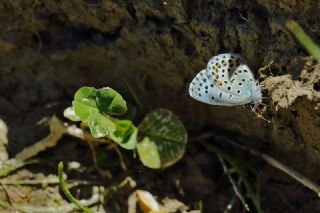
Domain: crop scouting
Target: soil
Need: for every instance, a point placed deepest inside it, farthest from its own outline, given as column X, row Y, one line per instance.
column 49, row 49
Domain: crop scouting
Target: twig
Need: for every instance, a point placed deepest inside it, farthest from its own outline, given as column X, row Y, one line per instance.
column 230, row 204
column 52, row 209
column 121, row 158
column 271, row 161
column 57, row 130
column 47, row 181
column 281, row 166
column 95, row 163
column 234, row 185
column 6, row 194
column 12, row 165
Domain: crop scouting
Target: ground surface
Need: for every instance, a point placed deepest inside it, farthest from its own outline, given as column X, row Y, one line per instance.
column 49, row 49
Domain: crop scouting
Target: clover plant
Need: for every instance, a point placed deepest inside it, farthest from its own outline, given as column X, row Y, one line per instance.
column 160, row 138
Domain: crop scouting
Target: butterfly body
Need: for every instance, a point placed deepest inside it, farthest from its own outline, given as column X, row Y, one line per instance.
column 226, row 81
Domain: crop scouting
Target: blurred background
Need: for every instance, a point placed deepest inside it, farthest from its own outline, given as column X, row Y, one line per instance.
column 152, row 50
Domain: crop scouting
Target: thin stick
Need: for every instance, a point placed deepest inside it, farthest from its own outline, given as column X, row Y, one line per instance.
column 95, row 163
column 234, row 185
column 121, row 158
column 95, row 199
column 230, row 204
column 6, row 194
column 273, row 162
column 281, row 166
column 57, row 130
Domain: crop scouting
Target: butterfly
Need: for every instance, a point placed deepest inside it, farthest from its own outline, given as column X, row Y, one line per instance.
column 226, row 81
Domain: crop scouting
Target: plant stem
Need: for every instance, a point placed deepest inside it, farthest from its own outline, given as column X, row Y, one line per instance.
column 67, row 192
column 234, row 185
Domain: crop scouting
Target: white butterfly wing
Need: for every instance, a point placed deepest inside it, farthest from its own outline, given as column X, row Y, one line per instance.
column 202, row 88
column 245, row 84
column 231, row 75
column 222, row 66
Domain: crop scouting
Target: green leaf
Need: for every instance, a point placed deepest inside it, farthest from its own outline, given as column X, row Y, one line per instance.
column 110, row 102
column 85, row 101
column 125, row 134
column 148, row 153
column 100, row 126
column 164, row 139
column 71, row 115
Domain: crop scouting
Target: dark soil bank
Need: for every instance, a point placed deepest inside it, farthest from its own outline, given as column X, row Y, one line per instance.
column 48, row 49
